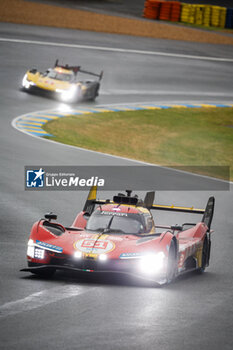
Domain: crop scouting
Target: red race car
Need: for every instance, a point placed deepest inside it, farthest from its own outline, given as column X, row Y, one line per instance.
column 120, row 236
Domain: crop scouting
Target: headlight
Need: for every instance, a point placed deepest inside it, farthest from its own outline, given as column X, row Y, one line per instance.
column 26, row 83
column 103, row 257
column 34, row 252
column 78, row 255
column 39, row 253
column 31, row 248
column 152, row 263
column 68, row 95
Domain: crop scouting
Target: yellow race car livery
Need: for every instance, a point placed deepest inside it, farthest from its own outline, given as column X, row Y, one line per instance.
column 62, row 82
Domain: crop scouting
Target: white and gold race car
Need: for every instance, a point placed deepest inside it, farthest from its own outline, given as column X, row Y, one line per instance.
column 62, row 82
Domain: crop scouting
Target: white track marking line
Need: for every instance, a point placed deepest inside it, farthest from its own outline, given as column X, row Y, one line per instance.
column 113, row 49
column 41, row 299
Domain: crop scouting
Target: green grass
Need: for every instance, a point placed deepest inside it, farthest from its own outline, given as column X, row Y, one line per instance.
column 170, row 137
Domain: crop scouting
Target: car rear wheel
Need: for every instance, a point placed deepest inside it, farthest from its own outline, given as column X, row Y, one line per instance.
column 95, row 93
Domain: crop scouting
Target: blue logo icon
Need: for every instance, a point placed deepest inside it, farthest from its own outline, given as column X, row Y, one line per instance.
column 35, row 178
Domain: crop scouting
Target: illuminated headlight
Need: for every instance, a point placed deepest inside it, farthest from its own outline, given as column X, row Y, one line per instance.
column 39, row 253
column 103, row 257
column 31, row 248
column 34, row 252
column 78, row 255
column 30, row 251
column 68, row 95
column 152, row 263
column 26, row 83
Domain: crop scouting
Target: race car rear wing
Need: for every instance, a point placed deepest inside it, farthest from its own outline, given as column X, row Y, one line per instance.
column 91, row 201
column 77, row 69
column 100, row 76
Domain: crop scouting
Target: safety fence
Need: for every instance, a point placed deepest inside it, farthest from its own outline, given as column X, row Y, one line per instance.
column 175, row 11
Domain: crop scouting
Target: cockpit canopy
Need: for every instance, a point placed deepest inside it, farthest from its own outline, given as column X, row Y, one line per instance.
column 59, row 74
column 117, row 221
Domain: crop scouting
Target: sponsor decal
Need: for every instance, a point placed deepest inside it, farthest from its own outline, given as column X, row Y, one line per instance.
column 35, row 178
column 130, row 255
column 49, row 246
column 103, row 212
column 93, row 246
column 84, row 235
column 115, row 238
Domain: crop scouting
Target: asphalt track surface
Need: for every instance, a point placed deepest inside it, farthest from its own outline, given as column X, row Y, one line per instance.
column 74, row 312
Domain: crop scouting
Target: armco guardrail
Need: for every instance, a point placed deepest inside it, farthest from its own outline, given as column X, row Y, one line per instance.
column 175, row 11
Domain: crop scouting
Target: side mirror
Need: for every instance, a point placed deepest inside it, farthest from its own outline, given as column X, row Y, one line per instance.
column 50, row 216
column 33, row 70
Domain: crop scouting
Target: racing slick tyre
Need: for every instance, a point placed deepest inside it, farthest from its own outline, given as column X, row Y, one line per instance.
column 95, row 93
column 205, row 255
column 171, row 263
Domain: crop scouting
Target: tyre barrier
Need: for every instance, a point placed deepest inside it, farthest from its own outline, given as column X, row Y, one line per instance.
column 165, row 11
column 222, row 18
column 229, row 18
column 151, row 9
column 192, row 14
column 175, row 11
column 185, row 10
column 206, row 16
column 199, row 14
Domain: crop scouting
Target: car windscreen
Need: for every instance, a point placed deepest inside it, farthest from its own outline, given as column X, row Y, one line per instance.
column 115, row 222
column 59, row 76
